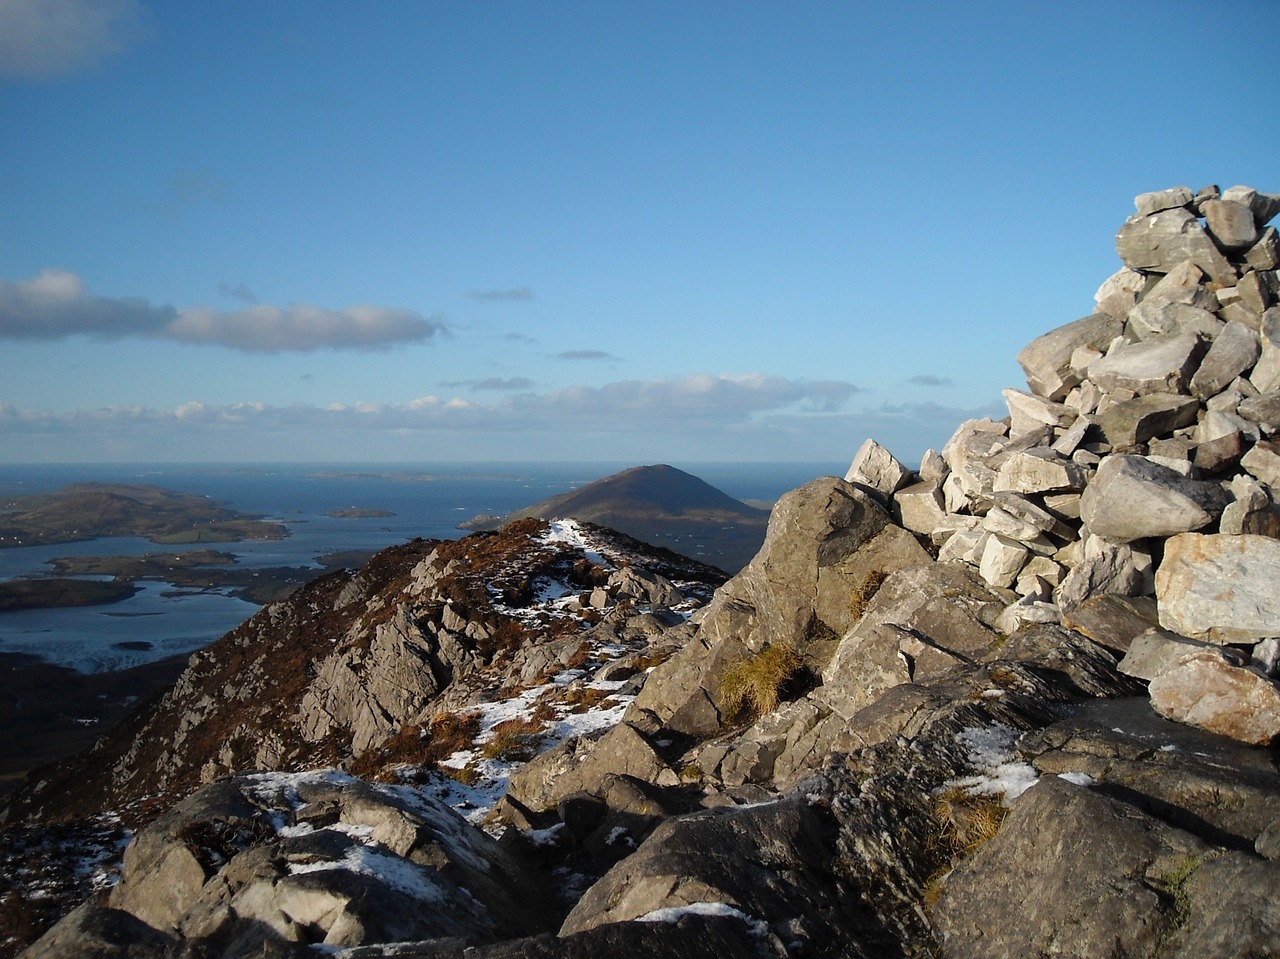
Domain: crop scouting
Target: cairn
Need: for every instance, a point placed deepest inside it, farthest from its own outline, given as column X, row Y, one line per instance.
column 1131, row 493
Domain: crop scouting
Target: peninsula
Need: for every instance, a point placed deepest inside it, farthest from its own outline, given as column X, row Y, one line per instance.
column 86, row 511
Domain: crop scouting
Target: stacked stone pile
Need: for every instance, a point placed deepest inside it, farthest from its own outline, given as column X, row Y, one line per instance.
column 1132, row 491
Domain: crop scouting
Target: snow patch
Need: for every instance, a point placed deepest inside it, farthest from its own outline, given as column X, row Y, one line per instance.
column 991, row 752
column 395, row 871
column 673, row 914
column 1078, row 779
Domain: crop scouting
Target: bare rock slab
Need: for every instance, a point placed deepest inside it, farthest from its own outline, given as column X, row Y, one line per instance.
column 1220, row 587
column 1162, row 364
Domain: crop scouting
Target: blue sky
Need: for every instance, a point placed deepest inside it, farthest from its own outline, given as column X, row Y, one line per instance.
column 429, row 231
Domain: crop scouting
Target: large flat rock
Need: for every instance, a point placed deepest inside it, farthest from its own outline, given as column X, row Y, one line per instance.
column 1220, row 587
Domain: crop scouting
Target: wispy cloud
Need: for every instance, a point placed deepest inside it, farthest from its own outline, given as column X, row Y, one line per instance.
column 745, row 417
column 585, row 355
column 511, row 384
column 704, row 399
column 43, row 39
column 56, row 304
column 928, row 379
column 177, row 194
column 238, row 292
column 515, row 295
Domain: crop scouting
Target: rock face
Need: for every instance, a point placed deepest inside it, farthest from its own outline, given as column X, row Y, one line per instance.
column 1020, row 702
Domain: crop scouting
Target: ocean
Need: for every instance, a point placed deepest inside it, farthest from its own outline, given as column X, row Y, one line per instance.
column 427, row 500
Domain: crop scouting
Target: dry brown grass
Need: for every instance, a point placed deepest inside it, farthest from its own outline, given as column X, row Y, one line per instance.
column 865, row 591
column 513, row 739
column 446, row 734
column 966, row 821
column 757, row 681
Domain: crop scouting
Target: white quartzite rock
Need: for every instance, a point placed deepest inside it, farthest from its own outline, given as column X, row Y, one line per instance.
column 1219, row 587
column 1041, row 471
column 875, row 466
column 1002, row 559
column 920, row 507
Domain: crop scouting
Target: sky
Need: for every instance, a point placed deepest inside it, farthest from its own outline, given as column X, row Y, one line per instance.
column 430, row 231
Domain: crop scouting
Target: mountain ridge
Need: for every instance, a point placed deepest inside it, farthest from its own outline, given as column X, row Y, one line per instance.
column 1007, row 704
column 658, row 504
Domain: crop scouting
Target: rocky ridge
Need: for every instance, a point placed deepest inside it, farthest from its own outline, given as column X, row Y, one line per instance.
column 1021, row 701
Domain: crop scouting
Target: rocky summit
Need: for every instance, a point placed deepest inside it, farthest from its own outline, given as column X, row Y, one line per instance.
column 1021, row 701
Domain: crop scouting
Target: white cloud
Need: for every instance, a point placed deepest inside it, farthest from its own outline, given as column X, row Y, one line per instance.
column 41, row 39
column 56, row 304
column 749, row 417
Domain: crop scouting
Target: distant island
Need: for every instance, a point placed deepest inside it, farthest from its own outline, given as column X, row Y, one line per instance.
column 86, row 511
column 660, row 505
column 355, row 512
column 17, row 594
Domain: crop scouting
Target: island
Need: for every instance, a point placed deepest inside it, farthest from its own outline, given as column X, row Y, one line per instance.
column 16, row 594
column 199, row 570
column 86, row 511
column 356, row 512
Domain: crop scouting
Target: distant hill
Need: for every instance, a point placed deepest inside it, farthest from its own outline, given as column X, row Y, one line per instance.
column 660, row 505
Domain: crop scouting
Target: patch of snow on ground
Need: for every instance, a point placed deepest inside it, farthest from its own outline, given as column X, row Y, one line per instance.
column 395, row 871
column 991, row 752
column 592, row 721
column 672, row 914
column 568, row 531
column 544, row 837
column 1078, row 779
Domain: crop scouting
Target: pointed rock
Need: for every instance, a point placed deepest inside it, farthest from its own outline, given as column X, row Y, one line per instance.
column 1133, row 498
column 1265, row 254
column 1046, row 360
column 1234, row 351
column 875, row 466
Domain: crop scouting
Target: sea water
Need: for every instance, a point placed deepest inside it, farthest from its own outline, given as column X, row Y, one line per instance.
column 427, row 501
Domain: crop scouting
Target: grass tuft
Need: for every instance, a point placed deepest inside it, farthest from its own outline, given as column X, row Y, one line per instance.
column 757, row 680
column 865, row 591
